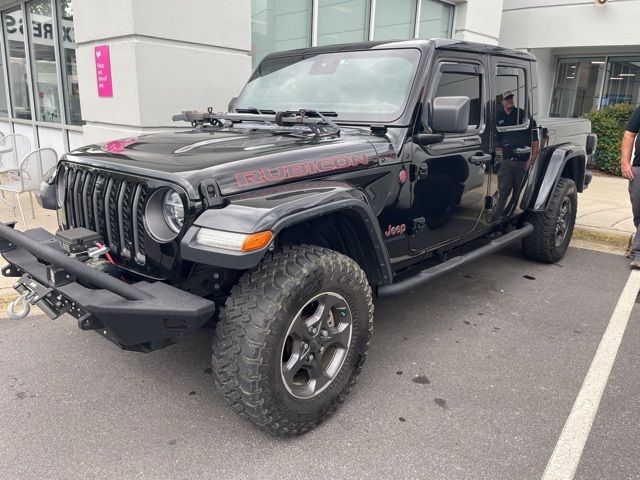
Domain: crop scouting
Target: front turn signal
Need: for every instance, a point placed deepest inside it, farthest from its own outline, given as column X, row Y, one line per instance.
column 256, row 241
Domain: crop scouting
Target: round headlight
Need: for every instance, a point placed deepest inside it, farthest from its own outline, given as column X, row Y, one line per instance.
column 173, row 210
column 164, row 215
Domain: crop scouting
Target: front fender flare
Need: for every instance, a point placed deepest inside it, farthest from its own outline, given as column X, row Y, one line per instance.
column 275, row 209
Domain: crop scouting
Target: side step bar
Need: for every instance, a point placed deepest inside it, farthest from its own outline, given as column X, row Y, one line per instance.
column 453, row 263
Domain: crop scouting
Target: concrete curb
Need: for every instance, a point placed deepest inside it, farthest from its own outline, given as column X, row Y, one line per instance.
column 603, row 236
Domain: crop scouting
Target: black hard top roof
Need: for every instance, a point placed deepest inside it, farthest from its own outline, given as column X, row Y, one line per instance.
column 438, row 43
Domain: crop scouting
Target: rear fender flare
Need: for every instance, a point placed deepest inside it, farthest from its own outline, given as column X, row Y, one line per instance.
column 555, row 162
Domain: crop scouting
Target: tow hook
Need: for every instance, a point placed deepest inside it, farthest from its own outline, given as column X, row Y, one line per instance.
column 21, row 306
column 31, row 292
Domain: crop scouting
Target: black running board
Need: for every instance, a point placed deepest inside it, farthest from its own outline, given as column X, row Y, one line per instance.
column 453, row 263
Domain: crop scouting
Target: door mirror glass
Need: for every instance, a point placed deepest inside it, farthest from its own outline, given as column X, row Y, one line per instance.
column 450, row 114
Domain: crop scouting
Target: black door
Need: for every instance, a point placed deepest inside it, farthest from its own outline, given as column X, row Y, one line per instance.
column 450, row 178
column 514, row 139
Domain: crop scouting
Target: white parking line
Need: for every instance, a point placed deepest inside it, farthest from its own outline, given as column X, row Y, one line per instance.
column 566, row 456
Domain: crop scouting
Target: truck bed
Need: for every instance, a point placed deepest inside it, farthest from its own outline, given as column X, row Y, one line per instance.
column 564, row 130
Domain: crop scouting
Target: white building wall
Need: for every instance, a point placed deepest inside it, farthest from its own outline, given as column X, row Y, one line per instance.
column 570, row 23
column 478, row 21
column 166, row 57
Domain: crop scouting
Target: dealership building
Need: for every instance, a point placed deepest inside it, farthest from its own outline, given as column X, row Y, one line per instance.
column 80, row 71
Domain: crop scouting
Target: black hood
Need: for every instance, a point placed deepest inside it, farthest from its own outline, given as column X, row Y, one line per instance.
column 238, row 159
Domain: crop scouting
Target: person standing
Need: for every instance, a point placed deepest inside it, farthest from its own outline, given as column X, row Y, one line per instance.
column 631, row 171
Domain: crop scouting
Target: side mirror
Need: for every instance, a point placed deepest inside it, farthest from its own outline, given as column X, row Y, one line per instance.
column 450, row 114
column 426, row 139
column 592, row 143
column 232, row 103
column 46, row 197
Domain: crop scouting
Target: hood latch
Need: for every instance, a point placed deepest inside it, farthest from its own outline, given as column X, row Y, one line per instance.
column 211, row 194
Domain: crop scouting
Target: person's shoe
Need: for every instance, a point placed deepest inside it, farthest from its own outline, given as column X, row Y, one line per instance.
column 635, row 263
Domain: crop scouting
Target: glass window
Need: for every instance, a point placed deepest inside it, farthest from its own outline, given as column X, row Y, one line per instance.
column 70, row 65
column 43, row 59
column 17, row 65
column 577, row 86
column 371, row 85
column 394, row 19
column 342, row 21
column 622, row 81
column 511, row 92
column 436, row 19
column 279, row 25
column 454, row 84
column 4, row 111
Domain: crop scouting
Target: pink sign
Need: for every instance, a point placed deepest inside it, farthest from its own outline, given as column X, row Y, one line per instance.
column 103, row 71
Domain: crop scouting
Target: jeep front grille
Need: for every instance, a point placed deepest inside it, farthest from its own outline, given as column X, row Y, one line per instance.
column 111, row 205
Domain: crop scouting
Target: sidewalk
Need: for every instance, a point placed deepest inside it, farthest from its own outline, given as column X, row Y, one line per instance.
column 604, row 221
column 604, row 215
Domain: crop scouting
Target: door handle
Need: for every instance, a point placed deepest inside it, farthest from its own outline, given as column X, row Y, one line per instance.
column 480, row 158
column 522, row 151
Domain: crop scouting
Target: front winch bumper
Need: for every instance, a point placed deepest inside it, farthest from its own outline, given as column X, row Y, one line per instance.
column 142, row 316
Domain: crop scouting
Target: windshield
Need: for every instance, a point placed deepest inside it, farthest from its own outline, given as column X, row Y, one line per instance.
column 370, row 85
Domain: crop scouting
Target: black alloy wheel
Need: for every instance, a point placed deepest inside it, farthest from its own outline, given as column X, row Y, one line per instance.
column 564, row 219
column 316, row 345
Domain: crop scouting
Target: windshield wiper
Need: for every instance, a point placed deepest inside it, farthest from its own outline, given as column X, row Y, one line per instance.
column 268, row 111
column 317, row 122
column 312, row 119
column 256, row 111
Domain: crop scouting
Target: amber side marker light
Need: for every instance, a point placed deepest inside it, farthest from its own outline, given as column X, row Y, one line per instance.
column 256, row 241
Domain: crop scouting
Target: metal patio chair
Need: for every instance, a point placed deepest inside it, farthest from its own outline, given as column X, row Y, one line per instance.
column 28, row 177
column 19, row 145
column 13, row 148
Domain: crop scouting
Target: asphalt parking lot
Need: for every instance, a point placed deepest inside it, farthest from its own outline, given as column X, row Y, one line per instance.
column 470, row 377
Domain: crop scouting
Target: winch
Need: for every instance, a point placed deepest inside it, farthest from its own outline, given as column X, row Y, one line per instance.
column 88, row 247
column 79, row 243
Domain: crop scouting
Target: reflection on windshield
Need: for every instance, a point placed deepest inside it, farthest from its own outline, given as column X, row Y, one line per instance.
column 367, row 85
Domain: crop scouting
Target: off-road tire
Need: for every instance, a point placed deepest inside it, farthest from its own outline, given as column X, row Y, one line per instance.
column 247, row 347
column 541, row 244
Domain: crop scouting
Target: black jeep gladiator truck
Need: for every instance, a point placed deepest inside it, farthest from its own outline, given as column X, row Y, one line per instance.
column 339, row 174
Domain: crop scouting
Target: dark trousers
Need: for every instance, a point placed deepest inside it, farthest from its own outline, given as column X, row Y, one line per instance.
column 634, row 195
column 510, row 176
